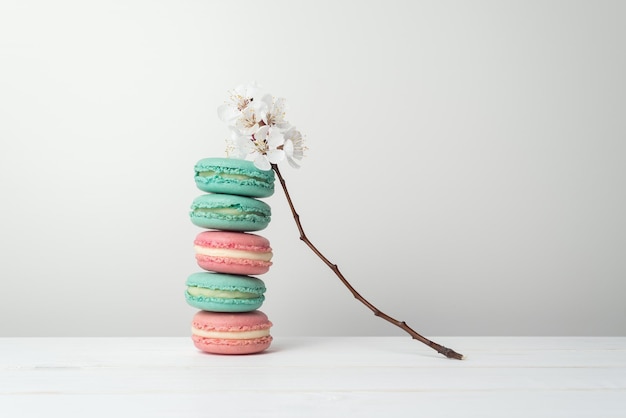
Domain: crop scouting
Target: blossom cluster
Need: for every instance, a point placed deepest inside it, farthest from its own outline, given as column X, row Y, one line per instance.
column 258, row 129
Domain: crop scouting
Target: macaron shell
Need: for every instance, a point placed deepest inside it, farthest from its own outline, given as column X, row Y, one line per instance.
column 235, row 240
column 233, row 176
column 218, row 321
column 232, row 265
column 238, row 241
column 223, row 322
column 224, row 346
column 224, row 305
column 226, row 282
column 245, row 213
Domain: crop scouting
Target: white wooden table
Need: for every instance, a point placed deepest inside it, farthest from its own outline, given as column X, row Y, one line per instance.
column 314, row 377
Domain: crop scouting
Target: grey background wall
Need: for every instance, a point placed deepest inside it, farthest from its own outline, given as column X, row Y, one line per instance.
column 465, row 166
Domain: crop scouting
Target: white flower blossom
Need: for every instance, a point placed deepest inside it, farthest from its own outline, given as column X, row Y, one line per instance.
column 266, row 147
column 275, row 113
column 236, row 144
column 259, row 131
column 241, row 98
column 293, row 147
column 249, row 121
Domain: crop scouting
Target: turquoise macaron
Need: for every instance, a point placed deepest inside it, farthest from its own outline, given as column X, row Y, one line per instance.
column 233, row 176
column 217, row 292
column 230, row 212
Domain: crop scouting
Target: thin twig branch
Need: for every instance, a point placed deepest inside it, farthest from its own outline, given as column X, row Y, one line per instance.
column 448, row 352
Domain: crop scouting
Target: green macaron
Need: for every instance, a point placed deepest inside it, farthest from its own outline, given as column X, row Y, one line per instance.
column 218, row 292
column 233, row 176
column 229, row 212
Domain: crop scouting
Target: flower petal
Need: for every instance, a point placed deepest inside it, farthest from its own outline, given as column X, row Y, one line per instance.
column 288, row 147
column 227, row 113
column 280, row 105
column 234, row 133
column 275, row 139
column 292, row 162
column 261, row 133
column 261, row 163
column 252, row 90
column 245, row 144
column 268, row 100
column 294, row 137
column 275, row 155
column 241, row 90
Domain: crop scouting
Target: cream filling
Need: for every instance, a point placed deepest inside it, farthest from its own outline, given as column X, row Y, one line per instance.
column 227, row 211
column 223, row 294
column 231, row 335
column 231, row 253
column 210, row 173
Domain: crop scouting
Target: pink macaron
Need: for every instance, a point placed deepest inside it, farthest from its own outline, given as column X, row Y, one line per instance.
column 233, row 252
column 231, row 333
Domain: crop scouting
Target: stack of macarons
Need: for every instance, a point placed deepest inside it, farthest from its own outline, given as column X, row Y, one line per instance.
column 226, row 291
